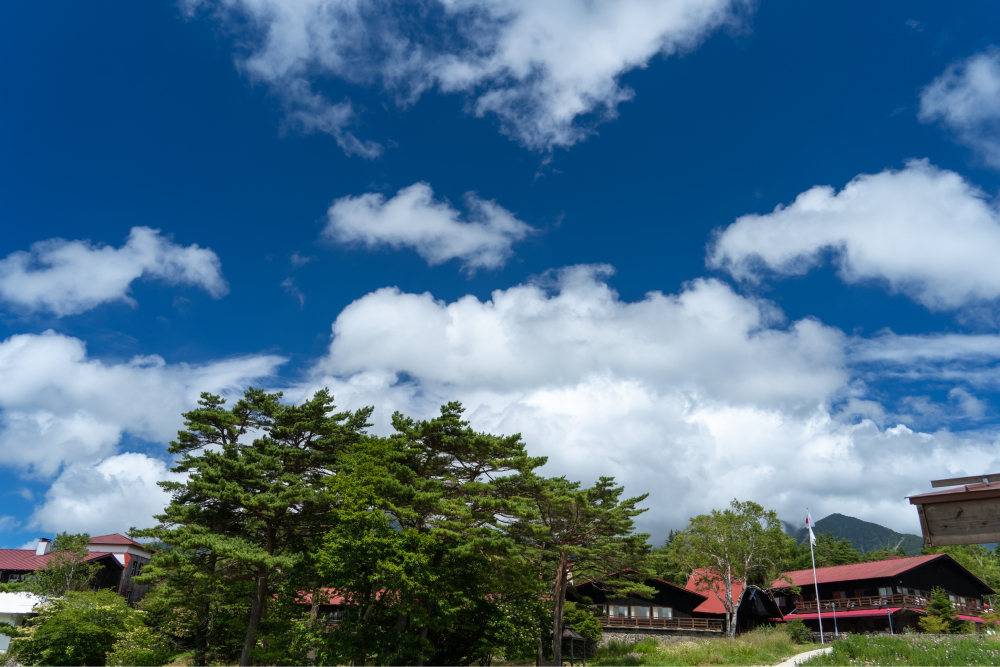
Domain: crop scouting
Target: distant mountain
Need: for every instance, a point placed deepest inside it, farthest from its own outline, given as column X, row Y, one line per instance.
column 864, row 535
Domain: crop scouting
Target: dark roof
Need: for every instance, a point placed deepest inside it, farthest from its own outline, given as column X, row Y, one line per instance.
column 116, row 539
column 25, row 559
column 660, row 581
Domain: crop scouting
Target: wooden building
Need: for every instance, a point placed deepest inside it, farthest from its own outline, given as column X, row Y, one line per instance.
column 758, row 607
column 670, row 609
column 120, row 559
column 881, row 596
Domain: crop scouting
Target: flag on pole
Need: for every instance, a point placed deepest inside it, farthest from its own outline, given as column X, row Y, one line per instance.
column 809, row 524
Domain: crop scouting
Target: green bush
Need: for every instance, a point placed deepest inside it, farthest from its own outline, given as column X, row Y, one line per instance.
column 797, row 630
column 78, row 629
column 139, row 646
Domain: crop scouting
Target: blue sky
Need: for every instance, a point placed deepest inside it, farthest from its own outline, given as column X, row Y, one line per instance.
column 563, row 215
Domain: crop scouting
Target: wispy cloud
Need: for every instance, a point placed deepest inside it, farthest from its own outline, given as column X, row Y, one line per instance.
column 482, row 239
column 966, row 100
column 549, row 71
column 69, row 277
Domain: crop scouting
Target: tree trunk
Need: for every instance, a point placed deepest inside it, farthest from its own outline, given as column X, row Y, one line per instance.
column 540, row 655
column 559, row 597
column 256, row 611
column 313, row 618
column 201, row 637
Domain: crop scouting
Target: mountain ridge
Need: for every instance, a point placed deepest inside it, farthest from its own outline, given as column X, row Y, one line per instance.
column 864, row 535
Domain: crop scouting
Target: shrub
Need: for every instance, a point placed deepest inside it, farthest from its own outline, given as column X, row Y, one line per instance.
column 139, row 646
column 78, row 629
column 934, row 625
column 797, row 630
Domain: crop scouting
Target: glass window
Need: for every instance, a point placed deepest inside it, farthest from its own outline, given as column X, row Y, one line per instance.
column 780, row 601
column 885, row 591
column 663, row 612
column 640, row 612
column 619, row 610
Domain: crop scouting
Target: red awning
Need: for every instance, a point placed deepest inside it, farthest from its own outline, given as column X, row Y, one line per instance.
column 970, row 618
column 845, row 614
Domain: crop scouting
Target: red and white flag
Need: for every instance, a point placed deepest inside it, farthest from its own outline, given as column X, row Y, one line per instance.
column 809, row 524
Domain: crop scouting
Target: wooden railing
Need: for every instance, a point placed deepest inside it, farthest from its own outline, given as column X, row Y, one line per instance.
column 881, row 601
column 707, row 624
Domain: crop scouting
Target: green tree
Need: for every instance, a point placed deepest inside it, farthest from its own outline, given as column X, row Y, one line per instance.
column 592, row 528
column 79, row 628
column 418, row 547
column 667, row 562
column 66, row 570
column 742, row 544
column 828, row 550
column 255, row 493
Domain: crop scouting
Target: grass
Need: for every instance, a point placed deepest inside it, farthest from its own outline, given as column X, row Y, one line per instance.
column 763, row 646
column 911, row 650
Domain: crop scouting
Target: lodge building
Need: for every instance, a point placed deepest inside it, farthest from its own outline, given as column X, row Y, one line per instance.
column 881, row 596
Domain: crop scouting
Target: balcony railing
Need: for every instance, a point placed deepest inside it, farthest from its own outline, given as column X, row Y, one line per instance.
column 707, row 624
column 882, row 601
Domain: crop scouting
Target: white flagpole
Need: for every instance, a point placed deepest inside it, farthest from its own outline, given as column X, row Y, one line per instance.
column 819, row 615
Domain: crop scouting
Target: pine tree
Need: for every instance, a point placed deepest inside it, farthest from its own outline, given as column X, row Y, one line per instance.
column 249, row 509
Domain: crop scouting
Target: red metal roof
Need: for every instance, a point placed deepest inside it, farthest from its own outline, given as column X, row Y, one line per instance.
column 25, row 559
column 116, row 539
column 712, row 603
column 874, row 570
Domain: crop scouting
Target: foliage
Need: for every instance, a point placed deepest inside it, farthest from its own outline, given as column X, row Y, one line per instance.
column 667, row 562
column 247, row 509
column 763, row 646
column 67, row 569
column 77, row 629
column 934, row 625
column 139, row 645
column 581, row 619
column 419, row 546
column 742, row 544
column 593, row 528
column 910, row 650
column 797, row 630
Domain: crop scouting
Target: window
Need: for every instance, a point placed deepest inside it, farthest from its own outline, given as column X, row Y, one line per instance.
column 663, row 612
column 780, row 601
column 15, row 578
column 618, row 610
column 839, row 595
column 885, row 591
column 640, row 612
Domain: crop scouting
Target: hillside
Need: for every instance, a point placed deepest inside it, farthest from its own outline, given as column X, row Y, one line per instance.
column 864, row 535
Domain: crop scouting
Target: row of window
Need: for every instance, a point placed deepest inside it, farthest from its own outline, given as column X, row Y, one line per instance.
column 630, row 611
column 885, row 592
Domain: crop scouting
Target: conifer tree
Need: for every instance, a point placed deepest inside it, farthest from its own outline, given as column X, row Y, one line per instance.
column 580, row 534
column 255, row 491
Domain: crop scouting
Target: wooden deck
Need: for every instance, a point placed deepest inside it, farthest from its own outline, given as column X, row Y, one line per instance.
column 882, row 601
column 704, row 624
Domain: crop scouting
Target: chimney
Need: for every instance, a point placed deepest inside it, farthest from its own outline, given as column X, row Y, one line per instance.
column 44, row 545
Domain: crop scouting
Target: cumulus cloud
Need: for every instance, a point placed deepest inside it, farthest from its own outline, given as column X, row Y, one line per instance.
column 924, row 231
column 80, row 499
column 435, row 229
column 536, row 66
column 69, row 277
column 966, row 100
column 695, row 397
column 59, row 407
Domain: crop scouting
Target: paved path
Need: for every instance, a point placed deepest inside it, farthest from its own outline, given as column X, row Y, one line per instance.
column 796, row 660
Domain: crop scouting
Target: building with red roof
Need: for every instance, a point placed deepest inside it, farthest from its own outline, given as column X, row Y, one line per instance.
column 120, row 559
column 757, row 606
column 881, row 596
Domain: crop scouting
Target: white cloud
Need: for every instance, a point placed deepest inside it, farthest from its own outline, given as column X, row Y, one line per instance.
column 926, row 232
column 966, row 100
column 58, row 407
column 537, row 66
column 435, row 229
column 70, row 277
column 697, row 397
column 112, row 496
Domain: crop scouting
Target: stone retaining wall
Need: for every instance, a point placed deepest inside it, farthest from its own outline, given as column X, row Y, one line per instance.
column 662, row 635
